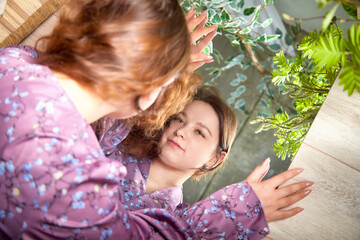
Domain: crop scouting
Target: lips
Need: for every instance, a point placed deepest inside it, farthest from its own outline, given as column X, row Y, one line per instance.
column 174, row 143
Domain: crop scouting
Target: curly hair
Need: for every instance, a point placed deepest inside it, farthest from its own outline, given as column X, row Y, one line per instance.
column 121, row 48
column 138, row 144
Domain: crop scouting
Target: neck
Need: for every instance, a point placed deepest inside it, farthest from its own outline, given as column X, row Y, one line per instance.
column 162, row 176
column 88, row 104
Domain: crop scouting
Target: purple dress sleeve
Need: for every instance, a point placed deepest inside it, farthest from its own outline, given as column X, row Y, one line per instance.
column 233, row 212
column 55, row 182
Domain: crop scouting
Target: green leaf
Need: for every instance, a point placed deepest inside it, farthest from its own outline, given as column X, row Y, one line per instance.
column 263, row 104
column 218, row 56
column 266, row 79
column 275, row 47
column 240, row 20
column 267, row 2
column 235, row 82
column 249, row 41
column 328, row 17
column 215, row 19
column 249, row 11
column 236, row 22
column 267, row 22
column 224, row 15
column 230, row 100
column 350, row 10
column 236, row 5
column 239, row 91
column 239, row 103
column 256, row 24
column 241, row 77
column 288, row 39
column 350, row 77
column 245, row 30
column 232, row 39
column 261, row 38
column 261, row 87
column 329, row 51
column 211, row 12
column 231, row 30
column 186, row 5
column 278, row 32
column 272, row 38
column 257, row 13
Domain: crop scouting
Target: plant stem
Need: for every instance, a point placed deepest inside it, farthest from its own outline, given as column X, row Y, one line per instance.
column 252, row 54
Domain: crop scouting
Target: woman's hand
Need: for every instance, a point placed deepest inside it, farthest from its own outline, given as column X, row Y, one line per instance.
column 275, row 198
column 197, row 29
column 259, row 172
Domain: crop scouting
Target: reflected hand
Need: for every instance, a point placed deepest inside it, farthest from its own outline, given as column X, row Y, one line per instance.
column 197, row 29
column 259, row 172
column 274, row 198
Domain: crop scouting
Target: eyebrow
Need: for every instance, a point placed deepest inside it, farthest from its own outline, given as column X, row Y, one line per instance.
column 199, row 123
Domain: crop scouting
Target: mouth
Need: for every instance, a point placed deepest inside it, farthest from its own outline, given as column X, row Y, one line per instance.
column 175, row 144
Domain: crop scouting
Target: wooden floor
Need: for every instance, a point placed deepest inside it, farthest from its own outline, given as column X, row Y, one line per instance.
column 330, row 156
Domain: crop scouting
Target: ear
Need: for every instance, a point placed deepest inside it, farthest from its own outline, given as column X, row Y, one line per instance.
column 217, row 159
column 147, row 99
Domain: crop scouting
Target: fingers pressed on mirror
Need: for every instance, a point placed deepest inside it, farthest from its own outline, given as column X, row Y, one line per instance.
column 284, row 177
column 289, row 200
column 293, row 188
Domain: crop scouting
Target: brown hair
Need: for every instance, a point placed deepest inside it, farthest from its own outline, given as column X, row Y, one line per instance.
column 139, row 145
column 121, row 48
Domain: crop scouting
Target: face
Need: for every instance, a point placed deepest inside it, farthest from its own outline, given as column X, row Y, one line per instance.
column 192, row 138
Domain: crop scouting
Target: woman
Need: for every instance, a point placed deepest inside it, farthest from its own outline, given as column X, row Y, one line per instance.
column 193, row 143
column 103, row 58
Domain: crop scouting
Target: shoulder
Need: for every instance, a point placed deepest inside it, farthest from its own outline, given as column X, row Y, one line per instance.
column 18, row 53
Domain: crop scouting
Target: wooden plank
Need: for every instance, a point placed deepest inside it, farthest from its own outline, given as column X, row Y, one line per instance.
column 336, row 130
column 22, row 17
column 332, row 209
column 330, row 156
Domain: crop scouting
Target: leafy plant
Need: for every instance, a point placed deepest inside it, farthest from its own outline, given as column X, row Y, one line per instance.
column 240, row 25
column 237, row 23
column 308, row 78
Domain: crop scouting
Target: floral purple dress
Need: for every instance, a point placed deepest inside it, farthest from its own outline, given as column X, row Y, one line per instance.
column 56, row 182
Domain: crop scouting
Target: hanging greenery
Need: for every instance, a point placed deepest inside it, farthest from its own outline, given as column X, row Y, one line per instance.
column 308, row 78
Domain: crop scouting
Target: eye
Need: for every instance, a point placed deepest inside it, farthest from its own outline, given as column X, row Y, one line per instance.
column 179, row 120
column 199, row 132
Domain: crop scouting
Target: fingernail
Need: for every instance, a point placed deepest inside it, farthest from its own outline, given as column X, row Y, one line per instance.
column 300, row 209
column 307, row 192
column 266, row 162
column 309, row 184
column 208, row 57
column 299, row 170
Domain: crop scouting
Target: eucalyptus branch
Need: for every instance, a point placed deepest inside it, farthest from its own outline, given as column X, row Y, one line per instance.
column 252, row 54
column 295, row 19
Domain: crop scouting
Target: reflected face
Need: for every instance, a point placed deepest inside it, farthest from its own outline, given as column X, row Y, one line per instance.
column 191, row 139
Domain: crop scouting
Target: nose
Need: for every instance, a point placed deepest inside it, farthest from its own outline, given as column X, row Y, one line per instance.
column 180, row 131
